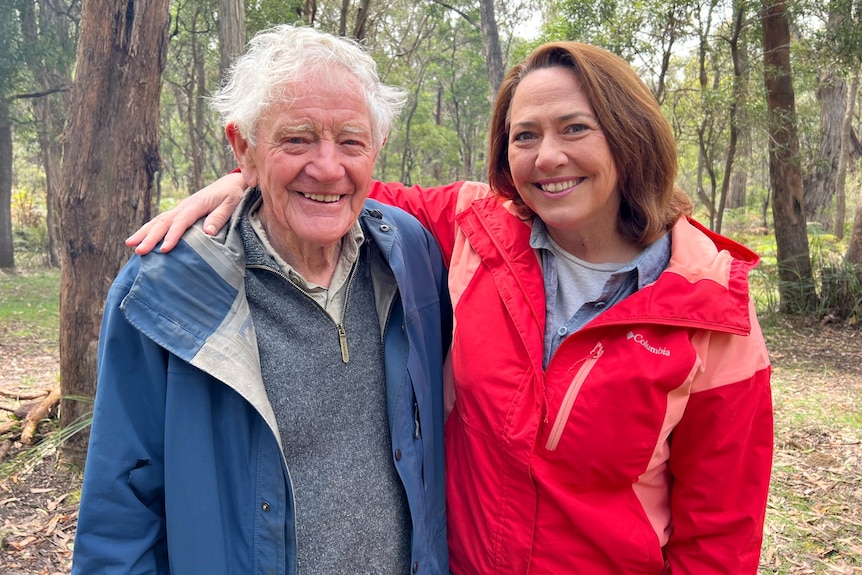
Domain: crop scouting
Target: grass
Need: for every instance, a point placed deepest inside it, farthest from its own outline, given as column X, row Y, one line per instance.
column 29, row 305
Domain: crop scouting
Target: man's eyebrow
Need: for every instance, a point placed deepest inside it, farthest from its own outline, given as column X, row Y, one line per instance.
column 355, row 129
column 299, row 127
column 309, row 127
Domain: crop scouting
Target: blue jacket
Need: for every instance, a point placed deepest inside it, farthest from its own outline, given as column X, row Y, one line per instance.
column 185, row 473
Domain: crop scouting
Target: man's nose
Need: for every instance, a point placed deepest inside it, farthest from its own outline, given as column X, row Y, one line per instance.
column 325, row 164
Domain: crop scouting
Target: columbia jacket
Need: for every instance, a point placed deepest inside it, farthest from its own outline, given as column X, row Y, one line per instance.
column 645, row 445
column 185, row 473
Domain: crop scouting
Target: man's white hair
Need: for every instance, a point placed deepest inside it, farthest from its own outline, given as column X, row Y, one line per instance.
column 280, row 56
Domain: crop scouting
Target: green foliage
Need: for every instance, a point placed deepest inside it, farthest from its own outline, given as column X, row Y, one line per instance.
column 11, row 63
column 838, row 283
column 188, row 127
column 441, row 135
column 262, row 14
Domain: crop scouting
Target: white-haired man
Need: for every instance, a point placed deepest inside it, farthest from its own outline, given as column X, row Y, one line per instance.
column 270, row 399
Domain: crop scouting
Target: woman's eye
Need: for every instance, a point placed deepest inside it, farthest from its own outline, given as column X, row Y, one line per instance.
column 522, row 137
column 577, row 128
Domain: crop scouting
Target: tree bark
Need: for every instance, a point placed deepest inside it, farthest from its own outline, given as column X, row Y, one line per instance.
column 111, row 153
column 796, row 286
column 820, row 183
column 51, row 70
column 7, row 247
column 735, row 104
column 360, row 25
column 342, row 17
column 854, row 244
column 841, row 183
column 738, row 190
column 491, row 40
column 231, row 42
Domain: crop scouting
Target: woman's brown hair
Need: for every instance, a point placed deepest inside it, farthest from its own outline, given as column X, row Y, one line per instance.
column 639, row 137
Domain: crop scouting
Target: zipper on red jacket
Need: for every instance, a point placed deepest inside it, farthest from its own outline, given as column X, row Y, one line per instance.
column 571, row 395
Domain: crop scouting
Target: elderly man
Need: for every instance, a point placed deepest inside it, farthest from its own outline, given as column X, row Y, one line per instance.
column 270, row 399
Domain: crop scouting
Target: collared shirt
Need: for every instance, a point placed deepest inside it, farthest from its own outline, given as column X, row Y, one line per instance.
column 620, row 281
column 331, row 299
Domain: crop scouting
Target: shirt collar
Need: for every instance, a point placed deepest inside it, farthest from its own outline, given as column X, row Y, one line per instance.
column 648, row 264
column 350, row 245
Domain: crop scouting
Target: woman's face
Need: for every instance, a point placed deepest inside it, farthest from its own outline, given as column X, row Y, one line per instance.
column 561, row 163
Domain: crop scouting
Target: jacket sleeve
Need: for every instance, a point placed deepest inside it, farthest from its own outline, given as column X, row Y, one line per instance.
column 121, row 523
column 720, row 461
column 435, row 208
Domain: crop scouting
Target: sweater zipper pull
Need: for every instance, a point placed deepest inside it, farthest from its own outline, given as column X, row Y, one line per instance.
column 342, row 339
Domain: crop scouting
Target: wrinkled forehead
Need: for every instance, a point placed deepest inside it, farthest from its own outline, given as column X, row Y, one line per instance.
column 318, row 77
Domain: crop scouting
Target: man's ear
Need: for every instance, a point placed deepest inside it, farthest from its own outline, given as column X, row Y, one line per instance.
column 242, row 151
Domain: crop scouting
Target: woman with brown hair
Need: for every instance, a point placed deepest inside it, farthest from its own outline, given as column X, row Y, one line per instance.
column 612, row 409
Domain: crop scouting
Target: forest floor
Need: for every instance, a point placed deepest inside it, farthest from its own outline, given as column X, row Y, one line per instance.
column 814, row 519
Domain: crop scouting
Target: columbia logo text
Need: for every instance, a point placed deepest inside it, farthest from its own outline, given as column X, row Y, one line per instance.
column 638, row 338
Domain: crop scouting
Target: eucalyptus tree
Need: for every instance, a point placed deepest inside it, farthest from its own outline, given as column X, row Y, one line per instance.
column 9, row 70
column 231, row 43
column 840, row 38
column 735, row 38
column 113, row 137
column 49, row 31
column 796, row 284
column 646, row 34
column 465, row 102
column 191, row 141
column 420, row 47
column 710, row 126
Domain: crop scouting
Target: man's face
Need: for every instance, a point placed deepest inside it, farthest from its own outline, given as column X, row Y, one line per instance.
column 313, row 161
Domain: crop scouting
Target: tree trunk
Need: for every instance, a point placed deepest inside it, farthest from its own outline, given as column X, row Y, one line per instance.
column 735, row 105
column 854, row 245
column 360, row 25
column 112, row 156
column 7, row 248
column 342, row 17
column 737, row 191
column 841, row 184
column 491, row 40
column 51, row 70
column 704, row 129
column 796, row 286
column 194, row 97
column 820, row 183
column 309, row 12
column 231, row 42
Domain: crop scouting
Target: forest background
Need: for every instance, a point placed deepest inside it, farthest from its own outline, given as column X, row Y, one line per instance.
column 104, row 122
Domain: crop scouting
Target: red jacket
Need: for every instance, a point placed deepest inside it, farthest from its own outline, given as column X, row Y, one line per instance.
column 645, row 447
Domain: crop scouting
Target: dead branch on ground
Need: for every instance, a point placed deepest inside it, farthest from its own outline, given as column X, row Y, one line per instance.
column 37, row 414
